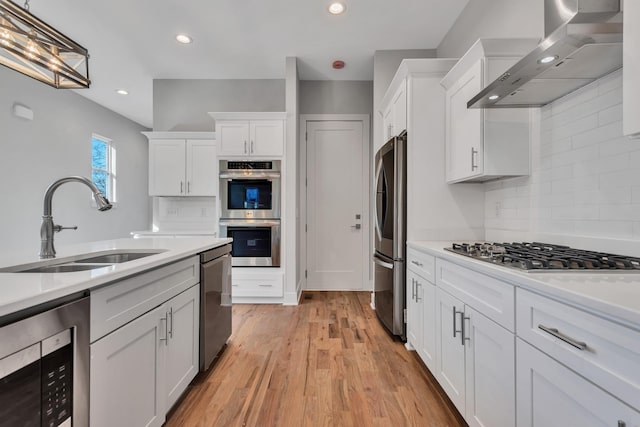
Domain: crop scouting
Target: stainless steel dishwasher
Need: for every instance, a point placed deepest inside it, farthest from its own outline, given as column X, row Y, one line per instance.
column 215, row 303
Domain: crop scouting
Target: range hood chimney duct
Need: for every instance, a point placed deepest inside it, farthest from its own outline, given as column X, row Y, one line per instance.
column 583, row 42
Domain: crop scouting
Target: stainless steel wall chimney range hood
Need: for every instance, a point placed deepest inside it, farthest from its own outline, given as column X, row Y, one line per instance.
column 583, row 42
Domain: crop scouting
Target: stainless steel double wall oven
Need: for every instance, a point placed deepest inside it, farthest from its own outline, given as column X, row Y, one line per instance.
column 250, row 200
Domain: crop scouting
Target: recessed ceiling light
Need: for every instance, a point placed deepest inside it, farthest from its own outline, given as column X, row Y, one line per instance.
column 122, row 92
column 548, row 59
column 493, row 97
column 336, row 8
column 184, row 39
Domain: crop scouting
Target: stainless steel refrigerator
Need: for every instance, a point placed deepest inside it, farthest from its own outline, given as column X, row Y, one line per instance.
column 390, row 235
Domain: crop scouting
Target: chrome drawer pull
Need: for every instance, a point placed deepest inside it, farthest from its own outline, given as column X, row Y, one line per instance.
column 552, row 331
column 419, row 264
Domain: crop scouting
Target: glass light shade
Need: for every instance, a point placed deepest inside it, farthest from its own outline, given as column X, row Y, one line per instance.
column 30, row 46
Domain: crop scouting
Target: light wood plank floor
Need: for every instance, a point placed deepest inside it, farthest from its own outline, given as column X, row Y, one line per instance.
column 325, row 362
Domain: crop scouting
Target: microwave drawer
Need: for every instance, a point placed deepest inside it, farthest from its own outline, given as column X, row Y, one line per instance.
column 602, row 351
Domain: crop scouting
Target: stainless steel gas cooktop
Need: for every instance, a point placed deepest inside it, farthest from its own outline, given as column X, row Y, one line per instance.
column 539, row 257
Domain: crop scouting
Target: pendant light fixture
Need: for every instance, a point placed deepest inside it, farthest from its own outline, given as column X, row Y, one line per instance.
column 30, row 46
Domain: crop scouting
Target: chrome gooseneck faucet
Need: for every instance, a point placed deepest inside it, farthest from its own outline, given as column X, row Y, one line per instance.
column 48, row 228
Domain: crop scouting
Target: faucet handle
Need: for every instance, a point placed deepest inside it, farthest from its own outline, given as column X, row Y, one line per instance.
column 59, row 228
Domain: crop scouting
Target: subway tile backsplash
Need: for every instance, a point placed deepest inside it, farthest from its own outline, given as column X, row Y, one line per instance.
column 585, row 180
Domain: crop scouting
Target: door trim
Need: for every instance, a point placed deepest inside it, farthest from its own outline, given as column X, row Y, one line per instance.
column 367, row 253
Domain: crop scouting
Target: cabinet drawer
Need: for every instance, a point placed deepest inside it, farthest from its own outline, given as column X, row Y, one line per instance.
column 257, row 285
column 604, row 352
column 491, row 297
column 421, row 264
column 119, row 303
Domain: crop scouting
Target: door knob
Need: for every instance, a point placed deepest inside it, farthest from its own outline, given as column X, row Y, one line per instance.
column 357, row 226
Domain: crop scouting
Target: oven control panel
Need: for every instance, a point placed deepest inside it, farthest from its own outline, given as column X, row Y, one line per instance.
column 249, row 165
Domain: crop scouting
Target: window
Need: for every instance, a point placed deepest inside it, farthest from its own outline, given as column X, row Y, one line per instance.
column 103, row 166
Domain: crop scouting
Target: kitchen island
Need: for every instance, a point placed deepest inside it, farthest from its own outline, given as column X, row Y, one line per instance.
column 19, row 291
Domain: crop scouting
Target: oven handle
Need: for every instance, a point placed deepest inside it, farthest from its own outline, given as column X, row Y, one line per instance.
column 249, row 175
column 251, row 222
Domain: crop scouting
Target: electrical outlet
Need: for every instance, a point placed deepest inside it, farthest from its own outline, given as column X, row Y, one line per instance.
column 498, row 207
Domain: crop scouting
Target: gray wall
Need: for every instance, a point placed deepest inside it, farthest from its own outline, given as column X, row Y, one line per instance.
column 182, row 105
column 493, row 19
column 336, row 97
column 55, row 144
column 385, row 65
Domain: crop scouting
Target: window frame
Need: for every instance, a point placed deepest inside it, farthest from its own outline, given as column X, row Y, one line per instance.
column 110, row 166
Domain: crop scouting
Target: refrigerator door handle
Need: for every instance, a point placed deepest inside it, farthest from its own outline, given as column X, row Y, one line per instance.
column 382, row 263
column 377, row 219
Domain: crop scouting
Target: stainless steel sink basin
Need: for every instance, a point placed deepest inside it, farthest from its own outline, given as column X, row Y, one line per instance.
column 65, row 268
column 82, row 262
column 115, row 258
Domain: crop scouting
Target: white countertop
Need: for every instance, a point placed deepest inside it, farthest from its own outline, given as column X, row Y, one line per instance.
column 19, row 291
column 173, row 233
column 614, row 295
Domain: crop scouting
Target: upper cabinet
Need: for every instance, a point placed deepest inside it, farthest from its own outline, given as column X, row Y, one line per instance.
column 394, row 112
column 250, row 134
column 182, row 164
column 631, row 69
column 485, row 144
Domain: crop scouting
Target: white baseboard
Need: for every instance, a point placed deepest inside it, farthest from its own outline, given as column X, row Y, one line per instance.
column 409, row 347
column 257, row 300
column 373, row 301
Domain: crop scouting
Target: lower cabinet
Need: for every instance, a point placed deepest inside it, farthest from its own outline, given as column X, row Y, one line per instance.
column 421, row 318
column 139, row 370
column 552, row 395
column 476, row 363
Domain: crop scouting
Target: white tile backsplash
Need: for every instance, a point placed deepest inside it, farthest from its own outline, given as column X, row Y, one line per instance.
column 585, row 181
column 184, row 213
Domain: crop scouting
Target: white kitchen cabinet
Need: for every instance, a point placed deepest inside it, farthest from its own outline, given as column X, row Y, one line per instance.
column 475, row 317
column 421, row 306
column 181, row 166
column 250, row 134
column 631, row 69
column 127, row 374
column 552, row 395
column 182, row 343
column 485, row 144
column 394, row 112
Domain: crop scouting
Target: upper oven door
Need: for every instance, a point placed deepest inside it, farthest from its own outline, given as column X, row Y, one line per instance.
column 250, row 198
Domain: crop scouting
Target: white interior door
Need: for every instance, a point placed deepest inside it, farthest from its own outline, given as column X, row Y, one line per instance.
column 336, row 205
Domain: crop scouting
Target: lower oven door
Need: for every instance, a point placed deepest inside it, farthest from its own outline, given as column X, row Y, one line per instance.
column 256, row 243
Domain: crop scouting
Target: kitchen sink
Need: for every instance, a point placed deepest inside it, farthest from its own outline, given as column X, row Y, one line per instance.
column 116, row 258
column 65, row 268
column 82, row 262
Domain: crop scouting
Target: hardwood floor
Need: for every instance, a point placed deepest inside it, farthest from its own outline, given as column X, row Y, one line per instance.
column 325, row 362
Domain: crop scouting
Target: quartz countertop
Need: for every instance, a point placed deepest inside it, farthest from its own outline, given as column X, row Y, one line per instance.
column 615, row 295
column 19, row 291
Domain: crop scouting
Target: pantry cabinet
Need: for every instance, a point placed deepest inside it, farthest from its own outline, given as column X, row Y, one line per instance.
column 485, row 144
column 394, row 112
column 250, row 134
column 631, row 69
column 182, row 165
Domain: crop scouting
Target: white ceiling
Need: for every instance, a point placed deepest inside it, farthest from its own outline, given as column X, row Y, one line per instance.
column 133, row 42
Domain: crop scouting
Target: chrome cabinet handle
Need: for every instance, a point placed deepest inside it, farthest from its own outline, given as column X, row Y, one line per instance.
column 418, row 284
column 413, row 289
column 181, row 186
column 473, row 159
column 455, row 328
column 266, row 286
column 251, row 147
column 245, row 147
column 419, row 264
column 170, row 316
column 188, row 186
column 166, row 331
column 464, row 329
column 580, row 345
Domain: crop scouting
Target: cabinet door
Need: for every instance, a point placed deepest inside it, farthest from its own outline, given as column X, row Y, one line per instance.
column 400, row 109
column 450, row 361
column 233, row 137
column 127, row 374
column 266, row 138
column 428, row 351
column 414, row 312
column 551, row 395
column 167, row 167
column 387, row 123
column 631, row 69
column 464, row 136
column 490, row 372
column 202, row 168
column 183, row 324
